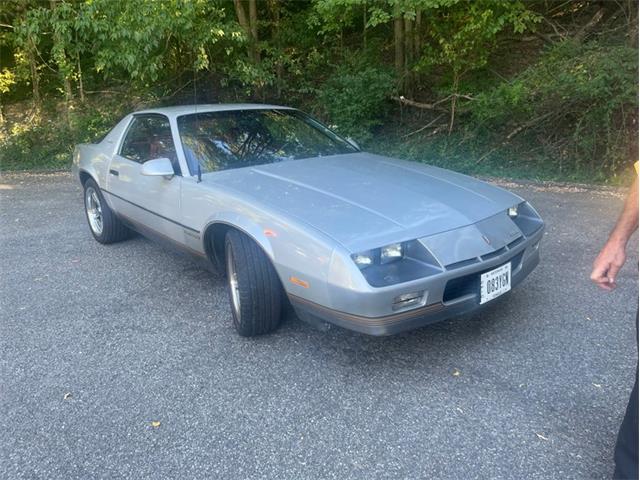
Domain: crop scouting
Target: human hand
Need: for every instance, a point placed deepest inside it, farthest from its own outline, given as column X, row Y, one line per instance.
column 607, row 264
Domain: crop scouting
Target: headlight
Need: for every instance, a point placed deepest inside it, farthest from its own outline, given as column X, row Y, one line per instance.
column 390, row 253
column 513, row 211
column 387, row 254
column 397, row 263
column 363, row 259
column 526, row 218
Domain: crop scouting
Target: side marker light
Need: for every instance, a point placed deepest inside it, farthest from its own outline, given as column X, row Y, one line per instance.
column 299, row 282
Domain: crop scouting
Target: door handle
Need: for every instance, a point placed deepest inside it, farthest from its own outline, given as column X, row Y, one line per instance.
column 114, row 172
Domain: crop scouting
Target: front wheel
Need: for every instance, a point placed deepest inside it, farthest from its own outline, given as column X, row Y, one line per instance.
column 103, row 223
column 254, row 288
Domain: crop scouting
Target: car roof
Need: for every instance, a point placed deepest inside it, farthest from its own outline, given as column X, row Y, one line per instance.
column 179, row 110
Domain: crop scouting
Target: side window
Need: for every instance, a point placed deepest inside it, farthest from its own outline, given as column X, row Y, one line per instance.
column 149, row 137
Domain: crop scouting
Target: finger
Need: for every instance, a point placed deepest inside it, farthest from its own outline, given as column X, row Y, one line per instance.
column 599, row 274
column 613, row 272
column 605, row 285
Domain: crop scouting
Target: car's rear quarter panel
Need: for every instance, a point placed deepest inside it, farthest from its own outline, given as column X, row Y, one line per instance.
column 94, row 158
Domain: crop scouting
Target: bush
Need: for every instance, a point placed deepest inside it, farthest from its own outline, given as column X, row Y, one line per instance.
column 354, row 98
column 578, row 102
column 45, row 145
column 47, row 141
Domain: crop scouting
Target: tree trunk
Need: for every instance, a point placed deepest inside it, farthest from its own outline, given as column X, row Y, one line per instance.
column 253, row 19
column 454, row 99
column 408, row 56
column 63, row 67
column 275, row 9
column 248, row 30
column 398, row 34
column 417, row 45
column 68, row 98
column 29, row 49
column 417, row 39
column 242, row 17
column 584, row 31
column 35, row 75
column 80, row 83
column 364, row 25
column 253, row 24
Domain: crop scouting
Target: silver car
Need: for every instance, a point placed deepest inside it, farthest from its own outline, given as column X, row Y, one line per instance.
column 292, row 212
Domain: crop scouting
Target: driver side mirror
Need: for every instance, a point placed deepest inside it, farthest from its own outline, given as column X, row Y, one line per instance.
column 158, row 167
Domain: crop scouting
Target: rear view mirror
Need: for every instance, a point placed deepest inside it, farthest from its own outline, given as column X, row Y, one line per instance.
column 158, row 167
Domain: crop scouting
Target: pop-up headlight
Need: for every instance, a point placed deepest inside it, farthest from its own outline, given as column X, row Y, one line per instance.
column 379, row 256
column 364, row 259
column 391, row 252
column 526, row 218
column 396, row 263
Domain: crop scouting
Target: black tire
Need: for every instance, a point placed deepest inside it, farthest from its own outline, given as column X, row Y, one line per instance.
column 258, row 288
column 112, row 229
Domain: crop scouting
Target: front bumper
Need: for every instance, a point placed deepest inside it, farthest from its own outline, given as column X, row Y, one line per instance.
column 450, row 293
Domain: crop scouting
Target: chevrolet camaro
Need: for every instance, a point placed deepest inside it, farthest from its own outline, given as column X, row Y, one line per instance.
column 290, row 211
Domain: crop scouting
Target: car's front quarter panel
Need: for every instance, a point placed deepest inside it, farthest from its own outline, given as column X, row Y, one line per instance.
column 300, row 255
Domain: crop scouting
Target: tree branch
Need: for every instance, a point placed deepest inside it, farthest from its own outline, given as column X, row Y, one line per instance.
column 529, row 124
column 242, row 17
column 425, row 127
column 431, row 106
column 515, row 132
column 582, row 33
column 553, row 25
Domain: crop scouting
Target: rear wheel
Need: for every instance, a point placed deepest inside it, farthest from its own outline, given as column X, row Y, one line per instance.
column 255, row 292
column 103, row 223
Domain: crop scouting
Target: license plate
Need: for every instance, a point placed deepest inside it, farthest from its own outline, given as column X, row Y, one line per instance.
column 495, row 283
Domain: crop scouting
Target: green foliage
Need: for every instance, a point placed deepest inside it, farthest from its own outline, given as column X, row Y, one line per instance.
column 564, row 109
column 462, row 37
column 62, row 21
column 576, row 100
column 37, row 147
column 355, row 98
column 48, row 142
column 147, row 40
column 7, row 78
column 331, row 16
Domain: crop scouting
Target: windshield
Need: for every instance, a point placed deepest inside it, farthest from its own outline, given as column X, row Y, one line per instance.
column 243, row 138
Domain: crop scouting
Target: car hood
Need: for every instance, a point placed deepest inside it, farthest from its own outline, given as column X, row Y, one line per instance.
column 364, row 200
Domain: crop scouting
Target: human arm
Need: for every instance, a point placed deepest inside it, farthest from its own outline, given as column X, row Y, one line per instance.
column 612, row 256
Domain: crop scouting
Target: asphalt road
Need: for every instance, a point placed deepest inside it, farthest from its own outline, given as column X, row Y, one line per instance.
column 97, row 342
